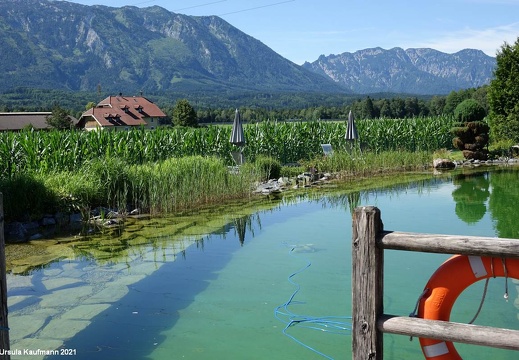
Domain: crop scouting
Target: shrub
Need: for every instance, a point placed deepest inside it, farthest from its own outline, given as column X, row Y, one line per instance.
column 292, row 171
column 26, row 198
column 268, row 167
column 468, row 111
column 501, row 148
column 472, row 139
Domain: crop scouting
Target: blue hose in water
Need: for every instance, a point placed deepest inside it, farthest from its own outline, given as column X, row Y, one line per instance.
column 329, row 324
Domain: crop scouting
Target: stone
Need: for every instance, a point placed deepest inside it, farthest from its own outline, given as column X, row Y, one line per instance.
column 36, row 236
column 48, row 220
column 443, row 164
column 85, row 312
column 63, row 329
column 108, row 295
column 76, row 218
column 66, row 297
column 15, row 232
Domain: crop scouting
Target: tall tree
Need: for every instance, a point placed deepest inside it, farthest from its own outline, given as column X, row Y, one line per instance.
column 369, row 109
column 184, row 114
column 503, row 94
column 436, row 105
column 59, row 119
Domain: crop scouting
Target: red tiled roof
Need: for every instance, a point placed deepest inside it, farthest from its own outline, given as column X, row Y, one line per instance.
column 124, row 111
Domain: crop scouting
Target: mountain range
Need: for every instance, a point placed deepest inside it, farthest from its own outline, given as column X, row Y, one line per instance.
column 68, row 46
column 413, row 71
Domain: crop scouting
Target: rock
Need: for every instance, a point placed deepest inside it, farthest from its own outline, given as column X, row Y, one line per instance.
column 61, row 219
column 76, row 218
column 48, row 220
column 15, row 232
column 443, row 164
column 35, row 237
column 30, row 225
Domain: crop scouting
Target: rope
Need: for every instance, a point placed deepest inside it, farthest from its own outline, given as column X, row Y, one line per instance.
column 481, row 302
column 413, row 314
column 328, row 324
column 486, row 287
column 506, row 278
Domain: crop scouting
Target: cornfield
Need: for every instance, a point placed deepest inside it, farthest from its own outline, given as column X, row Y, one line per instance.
column 53, row 151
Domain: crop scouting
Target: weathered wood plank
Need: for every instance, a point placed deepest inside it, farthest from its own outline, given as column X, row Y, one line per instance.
column 367, row 280
column 4, row 328
column 449, row 244
column 450, row 331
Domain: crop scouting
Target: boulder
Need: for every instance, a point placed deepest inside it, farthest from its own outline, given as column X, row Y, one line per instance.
column 443, row 164
column 15, row 232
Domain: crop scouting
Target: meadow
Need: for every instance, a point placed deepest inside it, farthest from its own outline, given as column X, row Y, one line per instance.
column 170, row 169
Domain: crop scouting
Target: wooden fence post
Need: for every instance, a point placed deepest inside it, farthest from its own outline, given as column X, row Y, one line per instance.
column 367, row 284
column 4, row 328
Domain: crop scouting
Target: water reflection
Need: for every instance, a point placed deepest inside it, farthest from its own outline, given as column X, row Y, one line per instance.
column 471, row 195
column 503, row 202
column 476, row 193
column 120, row 244
column 495, row 191
column 242, row 224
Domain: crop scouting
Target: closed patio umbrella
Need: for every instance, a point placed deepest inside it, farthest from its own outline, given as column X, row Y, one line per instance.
column 237, row 136
column 351, row 130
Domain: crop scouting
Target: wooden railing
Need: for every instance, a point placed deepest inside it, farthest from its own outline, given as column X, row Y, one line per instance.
column 4, row 329
column 369, row 321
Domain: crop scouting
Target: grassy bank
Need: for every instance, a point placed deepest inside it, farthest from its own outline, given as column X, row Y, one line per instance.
column 174, row 184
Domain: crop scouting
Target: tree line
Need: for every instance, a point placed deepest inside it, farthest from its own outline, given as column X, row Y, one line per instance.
column 211, row 108
column 369, row 107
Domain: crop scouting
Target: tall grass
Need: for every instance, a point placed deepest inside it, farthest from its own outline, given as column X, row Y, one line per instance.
column 182, row 183
column 359, row 163
column 174, row 184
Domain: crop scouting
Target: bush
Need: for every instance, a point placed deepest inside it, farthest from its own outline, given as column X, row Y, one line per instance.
column 501, row 148
column 268, row 167
column 26, row 198
column 292, row 171
column 469, row 110
column 472, row 138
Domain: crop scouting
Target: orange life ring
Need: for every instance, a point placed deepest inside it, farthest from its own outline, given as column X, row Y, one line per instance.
column 446, row 284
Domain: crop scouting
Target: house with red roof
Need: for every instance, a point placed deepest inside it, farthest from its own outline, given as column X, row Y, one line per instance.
column 122, row 113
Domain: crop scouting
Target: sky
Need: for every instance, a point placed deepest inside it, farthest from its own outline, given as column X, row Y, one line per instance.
column 303, row 30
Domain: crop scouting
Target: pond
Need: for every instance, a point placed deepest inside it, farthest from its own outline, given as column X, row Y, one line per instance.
column 225, row 284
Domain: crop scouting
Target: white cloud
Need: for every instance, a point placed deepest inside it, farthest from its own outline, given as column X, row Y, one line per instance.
column 488, row 40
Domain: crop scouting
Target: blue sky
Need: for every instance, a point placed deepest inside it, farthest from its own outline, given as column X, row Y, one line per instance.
column 302, row 30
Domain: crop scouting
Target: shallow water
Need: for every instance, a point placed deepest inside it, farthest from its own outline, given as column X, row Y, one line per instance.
column 174, row 289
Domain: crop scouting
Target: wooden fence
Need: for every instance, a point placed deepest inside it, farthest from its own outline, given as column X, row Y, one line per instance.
column 369, row 320
column 4, row 329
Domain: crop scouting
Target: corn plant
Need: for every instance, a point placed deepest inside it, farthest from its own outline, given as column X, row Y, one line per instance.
column 288, row 142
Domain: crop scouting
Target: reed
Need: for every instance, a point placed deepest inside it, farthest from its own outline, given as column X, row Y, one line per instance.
column 183, row 183
column 356, row 162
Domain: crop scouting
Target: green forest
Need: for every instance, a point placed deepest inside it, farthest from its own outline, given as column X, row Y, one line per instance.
column 256, row 107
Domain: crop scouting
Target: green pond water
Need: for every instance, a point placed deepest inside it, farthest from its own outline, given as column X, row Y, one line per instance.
column 207, row 285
